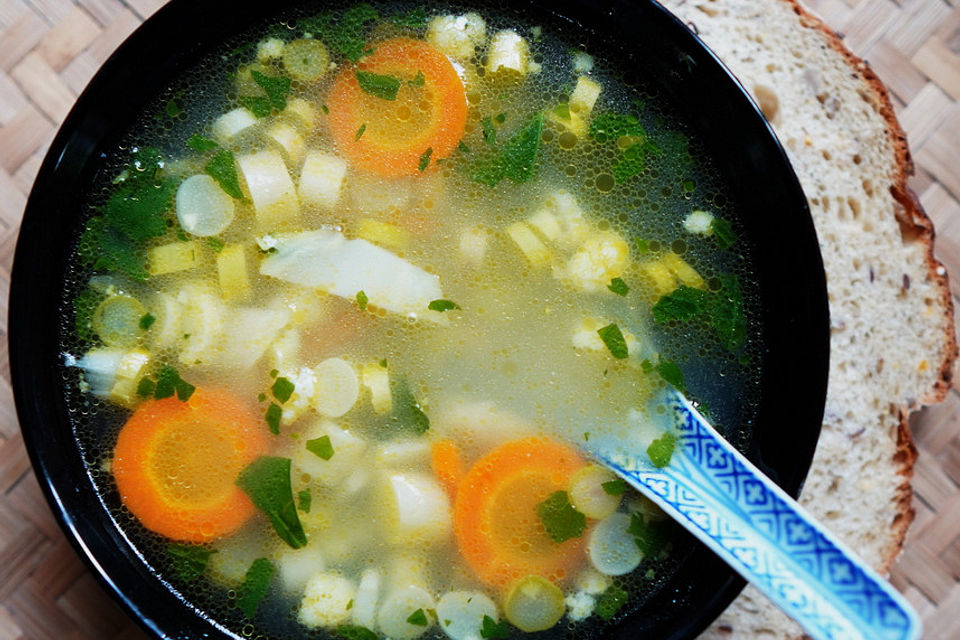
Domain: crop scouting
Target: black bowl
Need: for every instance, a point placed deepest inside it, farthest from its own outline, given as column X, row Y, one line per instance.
column 647, row 39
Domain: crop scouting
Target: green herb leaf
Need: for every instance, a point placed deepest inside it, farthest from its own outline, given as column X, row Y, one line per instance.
column 661, row 450
column 362, row 300
column 346, row 34
column 255, row 586
column 561, row 520
column 276, row 88
column 605, row 127
column 611, row 601
column 267, row 481
column 642, row 245
column 632, row 161
column 147, row 321
column 647, row 366
column 425, row 159
column 321, row 447
column 258, row 105
column 170, row 382
column 462, row 147
column 84, row 306
column 671, row 374
column 517, row 159
column 616, row 343
column 650, row 537
column 282, row 389
column 215, row 243
column 172, row 109
column 726, row 313
column 562, row 111
column 272, row 416
column 723, row 233
column 223, row 169
column 380, row 86
column 146, row 387
column 360, row 131
column 442, row 305
column 418, row 618
column 489, row 132
column 681, row 305
column 304, row 500
column 189, row 560
column 407, row 411
column 618, row 286
column 418, row 80
column 415, row 19
column 615, row 487
column 201, row 143
column 490, row 628
column 355, row 632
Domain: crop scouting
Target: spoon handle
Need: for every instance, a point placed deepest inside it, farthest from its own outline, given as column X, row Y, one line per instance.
column 726, row 502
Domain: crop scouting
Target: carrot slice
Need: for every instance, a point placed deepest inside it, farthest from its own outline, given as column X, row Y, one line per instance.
column 496, row 524
column 447, row 464
column 175, row 464
column 392, row 137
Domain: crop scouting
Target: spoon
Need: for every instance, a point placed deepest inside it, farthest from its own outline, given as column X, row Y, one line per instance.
column 718, row 495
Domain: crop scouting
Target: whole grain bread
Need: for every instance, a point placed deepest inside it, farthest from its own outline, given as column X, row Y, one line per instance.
column 892, row 340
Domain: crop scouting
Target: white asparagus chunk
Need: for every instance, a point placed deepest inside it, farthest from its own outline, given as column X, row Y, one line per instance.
column 325, row 259
column 461, row 613
column 201, row 323
column 417, row 509
column 172, row 257
column 271, row 189
column 377, row 379
column 290, row 141
column 326, row 600
column 584, row 96
column 337, row 387
column 232, row 272
column 99, row 368
column 301, row 112
column 297, row 566
column 166, row 329
column 249, row 331
column 226, row 127
column 321, row 179
column 612, row 548
column 129, row 371
column 508, row 51
column 473, row 245
column 203, row 208
column 398, row 606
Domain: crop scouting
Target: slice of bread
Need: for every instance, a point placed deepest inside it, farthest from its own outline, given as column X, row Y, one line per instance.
column 892, row 340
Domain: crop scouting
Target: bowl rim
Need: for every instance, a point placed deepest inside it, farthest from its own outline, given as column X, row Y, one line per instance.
column 82, row 136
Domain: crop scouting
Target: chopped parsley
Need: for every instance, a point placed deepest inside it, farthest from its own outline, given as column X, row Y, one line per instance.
column 170, row 382
column 418, row 618
column 721, row 310
column 355, row 632
column 258, row 105
column 517, row 158
column 304, row 500
column 272, row 416
column 418, row 80
column 500, row 118
column 360, row 131
column 442, row 305
column 135, row 212
column 671, row 374
column 267, row 481
column 650, row 537
column 377, row 85
column 723, row 233
column 415, row 19
column 613, row 338
column 282, row 389
column 201, row 143
column 491, row 629
column 255, row 586
column 147, row 321
column 189, row 561
column 661, row 450
column 561, row 520
column 683, row 304
column 146, row 387
column 562, row 111
column 222, row 168
column 425, row 159
column 614, row 487
column 362, row 300
column 489, row 132
column 215, row 243
column 173, row 109
column 276, row 87
column 618, row 286
column 606, row 127
column 611, row 601
column 462, row 147
column 407, row 411
column 346, row 34
column 321, row 447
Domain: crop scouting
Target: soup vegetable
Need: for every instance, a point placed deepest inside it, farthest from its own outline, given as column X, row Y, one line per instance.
column 342, row 328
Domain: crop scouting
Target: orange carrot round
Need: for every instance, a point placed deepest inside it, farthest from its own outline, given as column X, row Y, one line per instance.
column 447, row 464
column 424, row 123
column 175, row 464
column 498, row 530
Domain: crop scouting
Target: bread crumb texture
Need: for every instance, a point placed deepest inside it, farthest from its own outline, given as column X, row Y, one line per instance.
column 892, row 340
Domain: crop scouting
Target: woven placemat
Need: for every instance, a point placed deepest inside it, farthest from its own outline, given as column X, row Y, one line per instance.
column 49, row 49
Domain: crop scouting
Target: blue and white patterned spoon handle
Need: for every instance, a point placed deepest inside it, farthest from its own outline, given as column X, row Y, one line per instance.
column 726, row 502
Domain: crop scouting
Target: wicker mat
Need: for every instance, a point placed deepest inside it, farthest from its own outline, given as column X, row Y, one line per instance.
column 49, row 49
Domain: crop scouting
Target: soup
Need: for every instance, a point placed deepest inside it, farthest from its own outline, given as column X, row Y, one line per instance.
column 352, row 302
